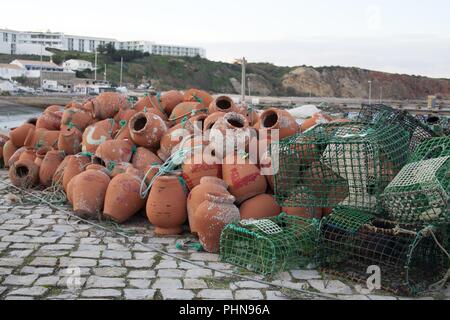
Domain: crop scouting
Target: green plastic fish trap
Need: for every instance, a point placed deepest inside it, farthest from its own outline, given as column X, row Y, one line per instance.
column 339, row 164
column 269, row 246
column 380, row 115
column 353, row 244
column 420, row 193
column 432, row 148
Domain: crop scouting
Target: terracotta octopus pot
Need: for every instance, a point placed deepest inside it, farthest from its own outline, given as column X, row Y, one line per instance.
column 115, row 151
column 97, row 133
column 198, row 195
column 48, row 167
column 50, row 120
column 107, row 104
column 75, row 117
column 143, row 159
column 147, row 129
column 172, row 138
column 166, row 205
column 88, row 191
column 123, row 196
column 197, row 165
column 195, row 95
column 259, row 207
column 19, row 135
column 186, row 110
column 317, row 118
column 42, row 138
column 222, row 104
column 24, row 174
column 213, row 215
column 278, row 119
column 170, row 99
column 244, row 178
column 8, row 150
column 75, row 165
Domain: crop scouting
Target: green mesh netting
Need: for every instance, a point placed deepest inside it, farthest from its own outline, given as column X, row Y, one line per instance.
column 420, row 193
column 381, row 114
column 269, row 246
column 432, row 148
column 409, row 260
column 339, row 164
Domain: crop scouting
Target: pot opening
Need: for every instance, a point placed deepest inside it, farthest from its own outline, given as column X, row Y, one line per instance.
column 236, row 122
column 140, row 123
column 22, row 171
column 32, row 121
column 270, row 119
column 223, row 104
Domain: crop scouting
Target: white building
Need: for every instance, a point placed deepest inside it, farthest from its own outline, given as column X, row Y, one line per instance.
column 78, row 65
column 33, row 68
column 30, row 42
column 9, row 71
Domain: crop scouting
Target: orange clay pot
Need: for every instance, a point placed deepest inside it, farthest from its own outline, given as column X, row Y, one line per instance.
column 197, row 165
column 29, row 154
column 172, row 138
column 73, row 104
column 107, row 104
column 317, row 118
column 222, row 104
column 170, row 99
column 124, row 116
column 20, row 134
column 88, row 192
column 123, row 196
column 166, row 205
column 307, row 213
column 78, row 118
column 69, row 140
column 8, row 150
column 143, row 159
column 259, row 207
column 96, row 134
column 40, row 155
column 48, row 167
column 75, row 165
column 212, row 216
column 59, row 173
column 16, row 155
column 186, row 110
column 50, row 120
column 123, row 134
column 150, row 103
column 198, row 195
column 147, row 129
column 212, row 119
column 112, row 152
column 195, row 95
column 119, row 168
column 42, row 138
column 249, row 113
column 24, row 174
column 278, row 119
column 244, row 179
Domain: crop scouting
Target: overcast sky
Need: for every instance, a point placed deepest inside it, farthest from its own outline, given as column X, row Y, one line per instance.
column 399, row 36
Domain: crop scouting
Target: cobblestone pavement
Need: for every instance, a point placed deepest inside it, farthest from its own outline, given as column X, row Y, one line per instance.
column 46, row 255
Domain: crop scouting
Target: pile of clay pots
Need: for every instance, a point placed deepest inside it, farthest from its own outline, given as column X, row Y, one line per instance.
column 105, row 152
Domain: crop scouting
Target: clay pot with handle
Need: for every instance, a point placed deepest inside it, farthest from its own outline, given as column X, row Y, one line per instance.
column 198, row 195
column 123, row 196
column 166, row 205
column 213, row 215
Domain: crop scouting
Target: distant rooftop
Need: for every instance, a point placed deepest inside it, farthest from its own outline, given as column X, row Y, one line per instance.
column 49, row 64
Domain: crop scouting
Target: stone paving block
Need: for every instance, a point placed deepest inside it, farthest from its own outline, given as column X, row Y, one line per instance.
column 14, row 238
column 45, row 239
column 77, row 262
column 86, row 254
column 194, row 284
column 198, row 273
column 356, row 297
column 110, row 271
column 176, row 294
column 166, row 264
column 19, row 253
column 139, row 294
column 10, row 262
column 221, row 266
column 51, row 253
column 139, row 263
column 275, row 295
column 37, row 270
column 15, row 280
column 187, row 266
column 89, row 240
column 47, row 281
column 144, row 255
column 71, row 283
column 30, row 246
column 116, row 254
column 91, row 247
column 375, row 297
column 167, row 284
column 57, row 247
column 142, row 274
column 18, row 221
column 4, row 233
column 68, row 240
column 15, row 298
column 330, row 287
column 215, row 294
column 74, row 271
column 4, row 245
column 171, row 273
column 105, row 282
column 305, row 274
column 5, row 271
column 140, row 247
column 109, row 263
column 248, row 295
column 12, row 227
column 34, row 291
column 117, row 246
column 2, row 289
column 101, row 293
column 44, row 262
column 44, row 222
column 140, row 283
column 203, row 256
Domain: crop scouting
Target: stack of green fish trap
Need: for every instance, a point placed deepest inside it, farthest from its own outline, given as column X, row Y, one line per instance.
column 340, row 164
column 409, row 259
column 269, row 246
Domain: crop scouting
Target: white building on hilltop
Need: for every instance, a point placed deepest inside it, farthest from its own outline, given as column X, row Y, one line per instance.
column 30, row 42
column 77, row 65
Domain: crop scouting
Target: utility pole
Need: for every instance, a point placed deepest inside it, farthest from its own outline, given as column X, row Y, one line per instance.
column 249, row 90
column 243, row 63
column 95, row 69
column 381, row 94
column 40, row 74
column 104, row 74
column 370, row 92
column 121, row 68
